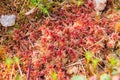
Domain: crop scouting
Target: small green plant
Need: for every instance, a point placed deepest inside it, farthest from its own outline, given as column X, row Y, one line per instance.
column 114, row 72
column 16, row 59
column 78, row 77
column 95, row 63
column 34, row 3
column 80, row 2
column 9, row 62
column 37, row 3
column 113, row 62
column 12, row 61
column 19, row 77
column 105, row 77
column 54, row 75
column 88, row 56
column 44, row 9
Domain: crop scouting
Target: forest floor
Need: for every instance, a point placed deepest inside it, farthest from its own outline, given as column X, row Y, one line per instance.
column 65, row 41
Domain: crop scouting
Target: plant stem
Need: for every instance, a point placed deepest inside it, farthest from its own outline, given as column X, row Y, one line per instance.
column 11, row 73
column 20, row 69
column 28, row 73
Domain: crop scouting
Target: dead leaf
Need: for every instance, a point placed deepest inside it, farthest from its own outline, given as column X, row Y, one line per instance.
column 72, row 70
column 117, row 27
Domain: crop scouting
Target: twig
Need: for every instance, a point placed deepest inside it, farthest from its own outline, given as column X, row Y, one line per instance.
column 23, row 5
column 76, row 63
column 83, row 68
column 96, row 43
column 11, row 73
column 20, row 69
column 31, row 43
column 28, row 73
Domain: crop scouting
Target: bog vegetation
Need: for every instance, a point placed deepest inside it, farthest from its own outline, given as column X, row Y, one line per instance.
column 60, row 40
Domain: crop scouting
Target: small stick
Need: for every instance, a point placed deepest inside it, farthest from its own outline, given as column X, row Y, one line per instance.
column 76, row 63
column 11, row 73
column 20, row 69
column 28, row 73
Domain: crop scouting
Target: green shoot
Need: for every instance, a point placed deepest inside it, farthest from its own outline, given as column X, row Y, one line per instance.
column 105, row 77
column 80, row 2
column 113, row 61
column 35, row 2
column 95, row 63
column 54, row 75
column 16, row 59
column 19, row 77
column 88, row 56
column 77, row 77
column 44, row 9
column 40, row 6
column 8, row 62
